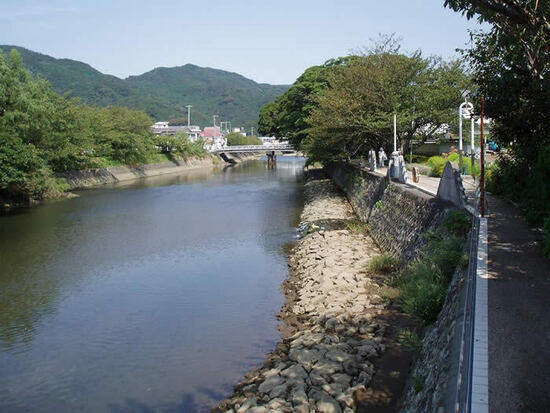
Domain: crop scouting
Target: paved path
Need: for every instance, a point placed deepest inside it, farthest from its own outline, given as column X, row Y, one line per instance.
column 519, row 314
column 431, row 184
column 518, row 307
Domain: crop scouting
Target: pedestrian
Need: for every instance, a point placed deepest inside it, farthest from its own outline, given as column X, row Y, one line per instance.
column 382, row 157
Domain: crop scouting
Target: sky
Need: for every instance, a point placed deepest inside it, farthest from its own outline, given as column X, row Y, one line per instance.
column 267, row 41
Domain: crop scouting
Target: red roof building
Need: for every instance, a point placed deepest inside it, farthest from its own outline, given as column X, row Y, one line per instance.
column 211, row 132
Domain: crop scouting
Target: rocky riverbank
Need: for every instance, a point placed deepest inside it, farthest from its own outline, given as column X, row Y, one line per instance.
column 331, row 336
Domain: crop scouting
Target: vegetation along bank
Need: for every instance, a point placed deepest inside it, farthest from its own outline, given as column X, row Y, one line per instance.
column 44, row 136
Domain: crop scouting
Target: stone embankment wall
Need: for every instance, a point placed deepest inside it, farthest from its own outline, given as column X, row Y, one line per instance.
column 95, row 177
column 332, row 335
column 396, row 214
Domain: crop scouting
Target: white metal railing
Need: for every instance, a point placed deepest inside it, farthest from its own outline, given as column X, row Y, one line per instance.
column 257, row 148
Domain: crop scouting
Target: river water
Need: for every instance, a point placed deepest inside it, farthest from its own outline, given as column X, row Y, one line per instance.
column 158, row 295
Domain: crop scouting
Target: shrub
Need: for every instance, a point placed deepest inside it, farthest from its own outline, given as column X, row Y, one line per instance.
column 383, row 264
column 418, row 383
column 436, row 164
column 423, row 291
column 424, row 283
column 410, row 340
column 536, row 191
column 457, row 223
column 418, row 158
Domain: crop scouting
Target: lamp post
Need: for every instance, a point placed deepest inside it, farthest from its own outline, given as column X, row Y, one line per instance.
column 464, row 110
column 473, row 148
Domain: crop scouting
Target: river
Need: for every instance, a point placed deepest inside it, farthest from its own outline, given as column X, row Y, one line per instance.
column 155, row 295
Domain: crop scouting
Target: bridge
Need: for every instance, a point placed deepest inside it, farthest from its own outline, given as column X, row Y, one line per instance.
column 277, row 147
column 269, row 149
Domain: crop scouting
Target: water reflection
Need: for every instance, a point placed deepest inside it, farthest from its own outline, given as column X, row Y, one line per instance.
column 159, row 293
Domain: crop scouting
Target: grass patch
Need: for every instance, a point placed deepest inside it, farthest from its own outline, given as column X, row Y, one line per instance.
column 418, row 383
column 383, row 264
column 356, row 226
column 424, row 283
column 381, row 205
column 546, row 237
column 457, row 223
column 389, row 294
column 410, row 340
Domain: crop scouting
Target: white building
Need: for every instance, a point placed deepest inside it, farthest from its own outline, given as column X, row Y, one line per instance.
column 163, row 128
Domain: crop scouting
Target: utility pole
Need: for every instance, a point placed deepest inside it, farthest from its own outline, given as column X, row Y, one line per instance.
column 412, row 127
column 252, row 133
column 395, row 132
column 189, row 115
column 214, row 118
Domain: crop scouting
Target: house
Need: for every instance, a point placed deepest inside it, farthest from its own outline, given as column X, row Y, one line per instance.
column 213, row 138
column 158, row 127
column 163, row 128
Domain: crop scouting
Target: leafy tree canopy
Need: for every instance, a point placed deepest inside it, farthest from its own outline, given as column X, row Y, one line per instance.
column 523, row 24
column 286, row 116
column 355, row 111
column 511, row 65
column 235, row 139
column 42, row 133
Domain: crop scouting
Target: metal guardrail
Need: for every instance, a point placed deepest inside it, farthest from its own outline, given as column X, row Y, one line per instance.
column 463, row 398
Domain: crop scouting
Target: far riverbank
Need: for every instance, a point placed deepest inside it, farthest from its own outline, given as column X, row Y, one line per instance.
column 92, row 178
column 95, row 177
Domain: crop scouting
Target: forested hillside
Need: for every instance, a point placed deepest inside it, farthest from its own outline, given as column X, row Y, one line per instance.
column 162, row 93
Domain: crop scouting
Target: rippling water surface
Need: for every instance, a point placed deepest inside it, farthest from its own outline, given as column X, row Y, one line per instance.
column 151, row 296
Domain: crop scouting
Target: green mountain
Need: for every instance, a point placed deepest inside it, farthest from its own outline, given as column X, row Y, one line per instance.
column 163, row 92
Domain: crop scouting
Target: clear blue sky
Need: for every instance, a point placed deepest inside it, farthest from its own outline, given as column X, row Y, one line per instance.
column 268, row 41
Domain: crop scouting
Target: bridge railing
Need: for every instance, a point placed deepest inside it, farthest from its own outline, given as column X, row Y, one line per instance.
column 257, row 148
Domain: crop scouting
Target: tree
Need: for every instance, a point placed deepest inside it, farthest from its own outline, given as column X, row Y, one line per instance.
column 286, row 116
column 524, row 23
column 511, row 64
column 235, row 139
column 42, row 133
column 355, row 112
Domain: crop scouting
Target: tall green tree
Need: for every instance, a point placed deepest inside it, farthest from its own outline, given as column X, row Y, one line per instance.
column 287, row 115
column 523, row 25
column 42, row 133
column 511, row 66
column 355, row 112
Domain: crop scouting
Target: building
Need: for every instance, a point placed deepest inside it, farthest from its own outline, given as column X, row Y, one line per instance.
column 213, row 138
column 163, row 128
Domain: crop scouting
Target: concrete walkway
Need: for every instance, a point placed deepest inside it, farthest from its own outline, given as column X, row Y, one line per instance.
column 430, row 184
column 519, row 314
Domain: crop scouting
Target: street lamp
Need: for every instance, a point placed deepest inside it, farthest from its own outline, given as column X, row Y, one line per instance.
column 464, row 110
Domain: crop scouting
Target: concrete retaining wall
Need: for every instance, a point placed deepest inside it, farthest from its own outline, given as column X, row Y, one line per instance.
column 95, row 177
column 396, row 213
